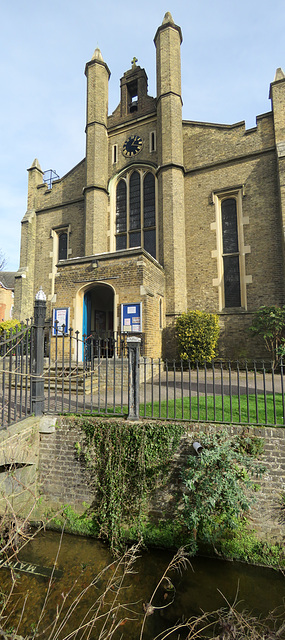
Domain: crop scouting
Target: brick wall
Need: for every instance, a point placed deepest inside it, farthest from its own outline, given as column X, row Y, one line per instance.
column 62, row 479
column 133, row 276
column 220, row 158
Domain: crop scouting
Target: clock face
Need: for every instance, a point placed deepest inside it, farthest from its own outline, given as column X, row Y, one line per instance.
column 132, row 146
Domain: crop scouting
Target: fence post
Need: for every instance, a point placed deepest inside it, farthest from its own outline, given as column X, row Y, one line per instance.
column 133, row 345
column 38, row 398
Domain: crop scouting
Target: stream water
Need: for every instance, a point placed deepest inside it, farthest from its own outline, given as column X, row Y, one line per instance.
column 197, row 589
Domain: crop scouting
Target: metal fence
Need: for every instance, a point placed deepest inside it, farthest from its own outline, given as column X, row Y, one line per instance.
column 88, row 374
column 94, row 375
column 16, row 347
column 240, row 392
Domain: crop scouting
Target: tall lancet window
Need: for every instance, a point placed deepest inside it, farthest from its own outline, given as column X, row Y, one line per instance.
column 62, row 246
column 231, row 253
column 121, row 215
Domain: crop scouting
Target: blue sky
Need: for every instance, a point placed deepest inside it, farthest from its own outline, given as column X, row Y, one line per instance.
column 230, row 52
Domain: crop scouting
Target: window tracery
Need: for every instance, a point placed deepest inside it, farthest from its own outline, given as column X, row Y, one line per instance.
column 136, row 211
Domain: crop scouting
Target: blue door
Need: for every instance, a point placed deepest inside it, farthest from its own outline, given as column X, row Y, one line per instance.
column 86, row 328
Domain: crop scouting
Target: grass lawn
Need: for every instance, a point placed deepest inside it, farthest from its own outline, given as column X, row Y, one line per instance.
column 224, row 409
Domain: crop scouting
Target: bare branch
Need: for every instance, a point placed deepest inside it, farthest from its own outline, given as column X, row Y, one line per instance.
column 2, row 260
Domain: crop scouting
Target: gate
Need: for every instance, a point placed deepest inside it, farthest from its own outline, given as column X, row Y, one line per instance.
column 32, row 382
column 16, row 347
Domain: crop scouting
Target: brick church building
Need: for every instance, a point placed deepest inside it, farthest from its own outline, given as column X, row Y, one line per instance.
column 163, row 215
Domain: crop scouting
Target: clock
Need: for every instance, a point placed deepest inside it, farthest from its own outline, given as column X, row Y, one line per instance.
column 132, row 146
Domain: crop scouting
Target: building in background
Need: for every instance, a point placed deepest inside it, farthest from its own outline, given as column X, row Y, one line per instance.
column 7, row 285
column 163, row 215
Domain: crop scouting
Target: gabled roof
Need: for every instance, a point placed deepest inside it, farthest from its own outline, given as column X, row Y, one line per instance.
column 7, row 279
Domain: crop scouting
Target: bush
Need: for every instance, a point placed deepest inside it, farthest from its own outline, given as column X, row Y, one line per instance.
column 9, row 325
column 197, row 334
column 220, row 484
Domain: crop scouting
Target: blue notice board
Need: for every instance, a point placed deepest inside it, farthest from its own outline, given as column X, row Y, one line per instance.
column 131, row 317
column 62, row 318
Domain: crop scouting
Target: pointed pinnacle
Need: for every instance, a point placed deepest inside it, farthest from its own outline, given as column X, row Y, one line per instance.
column 36, row 164
column 97, row 55
column 279, row 75
column 167, row 18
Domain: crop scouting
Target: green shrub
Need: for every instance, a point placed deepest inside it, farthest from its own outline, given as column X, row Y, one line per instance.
column 9, row 325
column 220, row 484
column 82, row 525
column 242, row 544
column 197, row 334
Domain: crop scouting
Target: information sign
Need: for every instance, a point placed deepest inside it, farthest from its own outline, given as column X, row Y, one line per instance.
column 131, row 317
column 60, row 319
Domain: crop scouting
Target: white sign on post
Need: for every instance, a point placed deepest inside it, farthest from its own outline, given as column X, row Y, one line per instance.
column 60, row 321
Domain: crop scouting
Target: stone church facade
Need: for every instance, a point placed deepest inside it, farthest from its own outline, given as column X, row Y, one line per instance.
column 162, row 215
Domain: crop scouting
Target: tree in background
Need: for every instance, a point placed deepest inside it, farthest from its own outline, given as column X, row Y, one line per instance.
column 269, row 323
column 2, row 260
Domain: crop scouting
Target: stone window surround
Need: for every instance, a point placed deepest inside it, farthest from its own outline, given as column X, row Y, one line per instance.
column 152, row 141
column 125, row 174
column 54, row 234
column 161, row 315
column 217, row 198
column 114, row 154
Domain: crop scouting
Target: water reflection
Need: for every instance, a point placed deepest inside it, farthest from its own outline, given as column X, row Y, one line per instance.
column 198, row 589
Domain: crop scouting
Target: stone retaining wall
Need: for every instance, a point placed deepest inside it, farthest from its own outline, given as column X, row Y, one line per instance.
column 62, row 479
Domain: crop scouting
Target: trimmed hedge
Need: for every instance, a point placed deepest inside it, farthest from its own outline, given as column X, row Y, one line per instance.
column 197, row 335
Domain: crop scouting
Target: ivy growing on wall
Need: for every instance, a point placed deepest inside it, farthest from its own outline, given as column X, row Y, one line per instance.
column 124, row 461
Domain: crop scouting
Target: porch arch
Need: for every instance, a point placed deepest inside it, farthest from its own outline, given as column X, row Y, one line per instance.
column 102, row 297
column 98, row 310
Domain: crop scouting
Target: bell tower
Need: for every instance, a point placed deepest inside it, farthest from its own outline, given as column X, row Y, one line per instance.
column 133, row 90
column 170, row 171
column 95, row 191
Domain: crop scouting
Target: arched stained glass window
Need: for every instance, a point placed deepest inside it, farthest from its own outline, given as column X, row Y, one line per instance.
column 121, row 215
column 149, row 200
column 231, row 253
column 135, row 212
column 135, row 201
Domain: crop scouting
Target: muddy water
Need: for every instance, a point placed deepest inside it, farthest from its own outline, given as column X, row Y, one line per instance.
column 80, row 560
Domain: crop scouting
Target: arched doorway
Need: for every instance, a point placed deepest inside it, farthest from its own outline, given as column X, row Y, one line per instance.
column 98, row 311
column 98, row 314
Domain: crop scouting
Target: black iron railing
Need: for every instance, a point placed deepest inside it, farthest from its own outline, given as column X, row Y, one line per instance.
column 93, row 374
column 16, row 348
column 86, row 374
column 240, row 392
